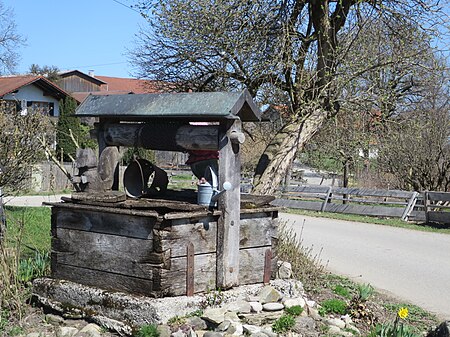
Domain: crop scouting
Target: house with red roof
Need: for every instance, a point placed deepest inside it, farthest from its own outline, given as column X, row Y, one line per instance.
column 31, row 93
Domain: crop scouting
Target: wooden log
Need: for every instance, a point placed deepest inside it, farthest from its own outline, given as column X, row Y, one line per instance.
column 86, row 219
column 177, row 137
column 229, row 204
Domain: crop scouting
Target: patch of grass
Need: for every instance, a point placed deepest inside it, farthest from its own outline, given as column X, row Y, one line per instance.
column 150, row 330
column 393, row 222
column 341, row 291
column 295, row 310
column 333, row 306
column 35, row 234
column 283, row 324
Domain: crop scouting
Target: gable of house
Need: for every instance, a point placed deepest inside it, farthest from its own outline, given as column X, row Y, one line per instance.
column 77, row 81
column 31, row 92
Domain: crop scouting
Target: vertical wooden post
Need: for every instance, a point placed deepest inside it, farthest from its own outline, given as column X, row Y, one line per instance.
column 229, row 204
column 426, row 205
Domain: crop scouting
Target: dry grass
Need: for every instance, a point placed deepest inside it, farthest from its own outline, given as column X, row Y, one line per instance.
column 306, row 266
column 13, row 292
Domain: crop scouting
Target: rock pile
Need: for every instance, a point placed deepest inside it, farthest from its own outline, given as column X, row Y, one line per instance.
column 244, row 311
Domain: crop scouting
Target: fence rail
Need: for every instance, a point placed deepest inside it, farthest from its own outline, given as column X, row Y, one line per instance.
column 362, row 201
column 431, row 207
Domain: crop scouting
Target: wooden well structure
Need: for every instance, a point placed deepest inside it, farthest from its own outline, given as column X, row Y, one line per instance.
column 167, row 245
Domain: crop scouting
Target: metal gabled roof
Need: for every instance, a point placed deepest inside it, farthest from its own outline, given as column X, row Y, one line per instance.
column 194, row 106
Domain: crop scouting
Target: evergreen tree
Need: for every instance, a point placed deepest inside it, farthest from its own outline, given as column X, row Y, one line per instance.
column 67, row 123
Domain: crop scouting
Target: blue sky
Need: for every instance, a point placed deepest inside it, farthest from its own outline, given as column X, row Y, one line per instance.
column 76, row 34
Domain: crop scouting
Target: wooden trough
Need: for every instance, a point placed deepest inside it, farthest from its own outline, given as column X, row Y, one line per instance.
column 166, row 245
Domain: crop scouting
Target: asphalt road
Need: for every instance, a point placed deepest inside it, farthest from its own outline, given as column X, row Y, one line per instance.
column 411, row 265
column 32, row 200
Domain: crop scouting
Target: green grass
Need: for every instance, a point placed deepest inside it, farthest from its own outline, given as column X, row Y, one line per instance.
column 35, row 233
column 393, row 222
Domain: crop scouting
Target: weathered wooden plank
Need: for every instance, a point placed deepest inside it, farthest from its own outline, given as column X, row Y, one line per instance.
column 229, row 204
column 252, row 262
column 256, row 232
column 202, row 233
column 309, row 205
column 116, row 210
column 109, row 253
column 104, row 280
column 307, row 189
column 365, row 210
column 441, row 217
column 439, row 196
column 255, row 201
column 373, row 193
column 105, row 197
column 187, row 215
column 109, row 223
column 173, row 281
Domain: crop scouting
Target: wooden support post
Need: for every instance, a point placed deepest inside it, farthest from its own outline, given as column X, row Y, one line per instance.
column 410, row 206
column 229, row 204
column 426, row 205
column 190, row 269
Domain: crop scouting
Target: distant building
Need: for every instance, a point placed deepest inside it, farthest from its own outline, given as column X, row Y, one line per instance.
column 31, row 93
column 81, row 85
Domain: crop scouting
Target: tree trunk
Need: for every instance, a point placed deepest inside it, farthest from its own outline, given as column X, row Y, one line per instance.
column 282, row 150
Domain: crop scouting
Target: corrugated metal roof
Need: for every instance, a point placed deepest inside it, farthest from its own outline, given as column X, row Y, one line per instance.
column 199, row 105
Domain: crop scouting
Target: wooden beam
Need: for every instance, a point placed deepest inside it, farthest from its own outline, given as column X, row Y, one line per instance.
column 164, row 137
column 229, row 205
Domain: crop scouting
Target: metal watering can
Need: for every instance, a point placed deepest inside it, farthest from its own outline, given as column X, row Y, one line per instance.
column 208, row 193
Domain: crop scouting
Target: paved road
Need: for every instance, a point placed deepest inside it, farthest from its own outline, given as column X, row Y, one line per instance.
column 32, row 201
column 414, row 266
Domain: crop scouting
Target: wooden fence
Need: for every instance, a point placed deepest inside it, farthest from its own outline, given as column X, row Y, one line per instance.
column 436, row 207
column 362, row 201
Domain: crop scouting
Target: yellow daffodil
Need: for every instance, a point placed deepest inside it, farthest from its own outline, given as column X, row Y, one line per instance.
column 403, row 313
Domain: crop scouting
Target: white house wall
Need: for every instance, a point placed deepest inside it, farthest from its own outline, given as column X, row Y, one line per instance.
column 32, row 93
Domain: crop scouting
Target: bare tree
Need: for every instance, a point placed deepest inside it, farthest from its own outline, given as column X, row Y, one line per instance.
column 415, row 147
column 297, row 50
column 10, row 40
column 19, row 146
